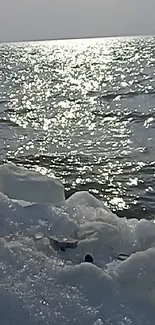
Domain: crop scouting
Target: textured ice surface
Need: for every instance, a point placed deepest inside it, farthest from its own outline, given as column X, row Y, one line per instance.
column 39, row 285
column 26, row 185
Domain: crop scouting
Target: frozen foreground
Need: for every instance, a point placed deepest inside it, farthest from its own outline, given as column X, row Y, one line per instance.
column 39, row 285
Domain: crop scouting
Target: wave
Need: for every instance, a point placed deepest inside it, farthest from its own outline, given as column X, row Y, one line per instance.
column 8, row 122
column 3, row 101
column 133, row 116
column 132, row 94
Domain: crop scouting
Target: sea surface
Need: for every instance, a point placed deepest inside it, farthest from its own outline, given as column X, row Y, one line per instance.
column 83, row 112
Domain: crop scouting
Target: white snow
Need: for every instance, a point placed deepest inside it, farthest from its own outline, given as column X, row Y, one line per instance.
column 39, row 285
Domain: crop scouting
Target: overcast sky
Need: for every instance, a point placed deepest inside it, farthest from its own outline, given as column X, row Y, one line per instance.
column 52, row 19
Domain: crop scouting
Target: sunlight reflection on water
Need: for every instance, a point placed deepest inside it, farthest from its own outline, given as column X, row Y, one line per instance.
column 83, row 110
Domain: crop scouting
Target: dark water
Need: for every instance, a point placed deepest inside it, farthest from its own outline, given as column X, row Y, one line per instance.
column 84, row 111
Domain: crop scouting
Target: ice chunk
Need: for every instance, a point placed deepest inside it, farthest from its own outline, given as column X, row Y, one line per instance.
column 145, row 233
column 57, row 284
column 85, row 198
column 22, row 184
column 136, row 274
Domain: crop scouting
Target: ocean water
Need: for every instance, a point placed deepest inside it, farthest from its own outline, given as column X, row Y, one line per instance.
column 81, row 111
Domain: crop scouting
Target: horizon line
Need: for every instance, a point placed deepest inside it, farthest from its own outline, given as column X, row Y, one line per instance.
column 75, row 38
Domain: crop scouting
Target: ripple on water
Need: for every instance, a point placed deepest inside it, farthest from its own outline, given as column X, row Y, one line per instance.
column 84, row 111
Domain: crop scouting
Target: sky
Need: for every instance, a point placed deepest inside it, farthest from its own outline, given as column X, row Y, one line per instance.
column 56, row 19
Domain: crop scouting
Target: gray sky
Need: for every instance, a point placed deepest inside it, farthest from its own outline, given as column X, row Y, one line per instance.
column 48, row 19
